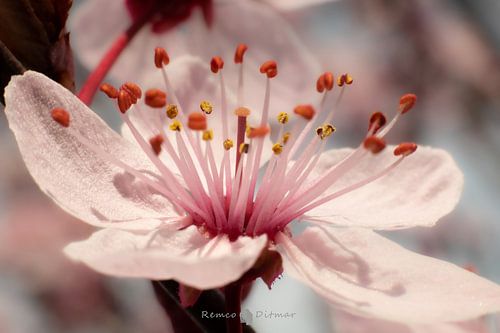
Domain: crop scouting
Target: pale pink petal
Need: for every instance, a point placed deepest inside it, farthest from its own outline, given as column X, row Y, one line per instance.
column 295, row 4
column 77, row 179
column 347, row 323
column 364, row 273
column 184, row 255
column 421, row 190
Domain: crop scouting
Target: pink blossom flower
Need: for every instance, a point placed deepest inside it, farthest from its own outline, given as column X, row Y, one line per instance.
column 231, row 22
column 347, row 323
column 176, row 196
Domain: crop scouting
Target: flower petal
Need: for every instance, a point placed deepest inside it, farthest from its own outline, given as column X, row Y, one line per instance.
column 347, row 323
column 421, row 190
column 80, row 181
column 364, row 273
column 295, row 4
column 184, row 255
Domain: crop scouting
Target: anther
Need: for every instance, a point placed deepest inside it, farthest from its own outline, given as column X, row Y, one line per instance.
column 228, row 144
column 133, row 89
column 124, row 101
column 244, row 148
column 305, row 110
column 109, row 90
column 161, row 57
column 285, row 137
column 61, row 116
column 175, row 126
column 206, row 107
column 155, row 98
column 156, row 142
column 405, row 149
column 207, row 135
column 283, row 117
column 270, row 68
column 240, row 52
column 197, row 121
column 257, row 132
column 344, row 79
column 377, row 120
column 216, row 64
column 172, row 111
column 374, row 144
column 325, row 131
column 242, row 111
column 277, row 148
column 406, row 102
column 325, row 82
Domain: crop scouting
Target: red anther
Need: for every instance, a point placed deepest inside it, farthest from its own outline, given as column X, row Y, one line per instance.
column 124, row 101
column 405, row 149
column 377, row 120
column 406, row 102
column 216, row 64
column 133, row 89
column 374, row 144
column 320, row 84
column 305, row 110
column 156, row 142
column 155, row 98
column 270, row 68
column 61, row 116
column 161, row 57
column 328, row 80
column 197, row 121
column 258, row 132
column 109, row 90
column 240, row 52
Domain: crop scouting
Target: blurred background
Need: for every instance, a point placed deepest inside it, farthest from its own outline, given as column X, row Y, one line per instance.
column 446, row 51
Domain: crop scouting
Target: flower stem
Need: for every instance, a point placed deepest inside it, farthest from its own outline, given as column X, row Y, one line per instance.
column 95, row 78
column 233, row 305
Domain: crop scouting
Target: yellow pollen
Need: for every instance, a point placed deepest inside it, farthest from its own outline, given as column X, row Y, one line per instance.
column 207, row 135
column 283, row 117
column 206, row 107
column 175, row 126
column 285, row 138
column 277, row 148
column 325, row 131
column 348, row 79
column 172, row 111
column 244, row 148
column 228, row 144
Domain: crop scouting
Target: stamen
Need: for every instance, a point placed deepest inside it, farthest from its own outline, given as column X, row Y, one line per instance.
column 374, row 144
column 244, row 148
column 257, row 132
column 325, row 131
column 216, row 64
column 406, row 102
column 133, row 89
column 208, row 135
column 61, row 116
column 124, row 101
column 109, row 90
column 405, row 149
column 172, row 111
column 285, row 137
column 270, row 68
column 377, row 121
column 240, row 52
column 206, row 107
column 161, row 57
column 228, row 144
column 325, row 82
column 277, row 148
column 306, row 111
column 197, row 121
column 156, row 142
column 344, row 79
column 283, row 118
column 155, row 98
column 175, row 126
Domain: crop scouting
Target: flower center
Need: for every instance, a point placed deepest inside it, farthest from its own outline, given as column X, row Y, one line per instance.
column 220, row 195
